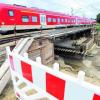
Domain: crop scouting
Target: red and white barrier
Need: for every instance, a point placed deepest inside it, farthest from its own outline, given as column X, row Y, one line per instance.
column 49, row 82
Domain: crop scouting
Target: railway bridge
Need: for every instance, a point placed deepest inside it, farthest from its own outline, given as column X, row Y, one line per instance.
column 74, row 43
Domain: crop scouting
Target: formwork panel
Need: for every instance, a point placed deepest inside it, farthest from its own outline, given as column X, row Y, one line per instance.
column 44, row 48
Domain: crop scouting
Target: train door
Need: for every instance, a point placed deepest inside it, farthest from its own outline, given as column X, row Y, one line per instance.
column 8, row 21
column 11, row 18
column 43, row 19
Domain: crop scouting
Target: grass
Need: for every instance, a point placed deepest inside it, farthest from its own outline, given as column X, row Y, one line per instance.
column 97, row 26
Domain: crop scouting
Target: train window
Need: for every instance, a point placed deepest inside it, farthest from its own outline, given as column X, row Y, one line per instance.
column 49, row 19
column 71, row 21
column 78, row 20
column 62, row 20
column 25, row 19
column 42, row 19
column 11, row 13
column 34, row 19
column 58, row 19
column 54, row 19
column 68, row 20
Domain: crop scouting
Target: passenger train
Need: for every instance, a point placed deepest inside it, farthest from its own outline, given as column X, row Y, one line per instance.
column 24, row 18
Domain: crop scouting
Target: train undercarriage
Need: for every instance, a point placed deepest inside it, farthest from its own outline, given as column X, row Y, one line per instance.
column 75, row 45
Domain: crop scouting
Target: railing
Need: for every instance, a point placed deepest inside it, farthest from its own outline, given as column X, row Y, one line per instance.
column 48, row 83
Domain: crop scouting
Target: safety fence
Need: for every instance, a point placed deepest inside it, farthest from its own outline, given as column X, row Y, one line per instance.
column 21, row 47
column 49, row 84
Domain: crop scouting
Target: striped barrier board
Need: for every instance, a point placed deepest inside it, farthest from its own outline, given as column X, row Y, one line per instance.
column 53, row 83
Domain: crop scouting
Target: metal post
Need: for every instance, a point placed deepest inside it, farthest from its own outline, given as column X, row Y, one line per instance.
column 15, row 32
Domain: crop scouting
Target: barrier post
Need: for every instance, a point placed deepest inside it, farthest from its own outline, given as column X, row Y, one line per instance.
column 12, row 76
column 8, row 51
column 38, row 60
column 81, row 76
column 26, row 55
column 56, row 66
column 16, row 51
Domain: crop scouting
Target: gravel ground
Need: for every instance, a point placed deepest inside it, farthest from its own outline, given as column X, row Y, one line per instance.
column 8, row 93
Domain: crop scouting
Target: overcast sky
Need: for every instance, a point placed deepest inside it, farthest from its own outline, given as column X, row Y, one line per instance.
column 86, row 8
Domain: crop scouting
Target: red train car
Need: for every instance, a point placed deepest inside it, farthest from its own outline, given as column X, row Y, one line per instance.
column 23, row 18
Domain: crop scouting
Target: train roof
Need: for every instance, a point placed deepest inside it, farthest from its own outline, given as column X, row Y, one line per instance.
column 15, row 7
column 34, row 9
column 37, row 10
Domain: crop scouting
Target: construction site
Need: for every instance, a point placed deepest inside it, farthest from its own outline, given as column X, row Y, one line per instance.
column 49, row 55
column 74, row 52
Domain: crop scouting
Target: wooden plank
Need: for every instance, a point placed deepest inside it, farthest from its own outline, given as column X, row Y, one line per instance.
column 6, row 77
column 42, row 47
column 3, row 69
